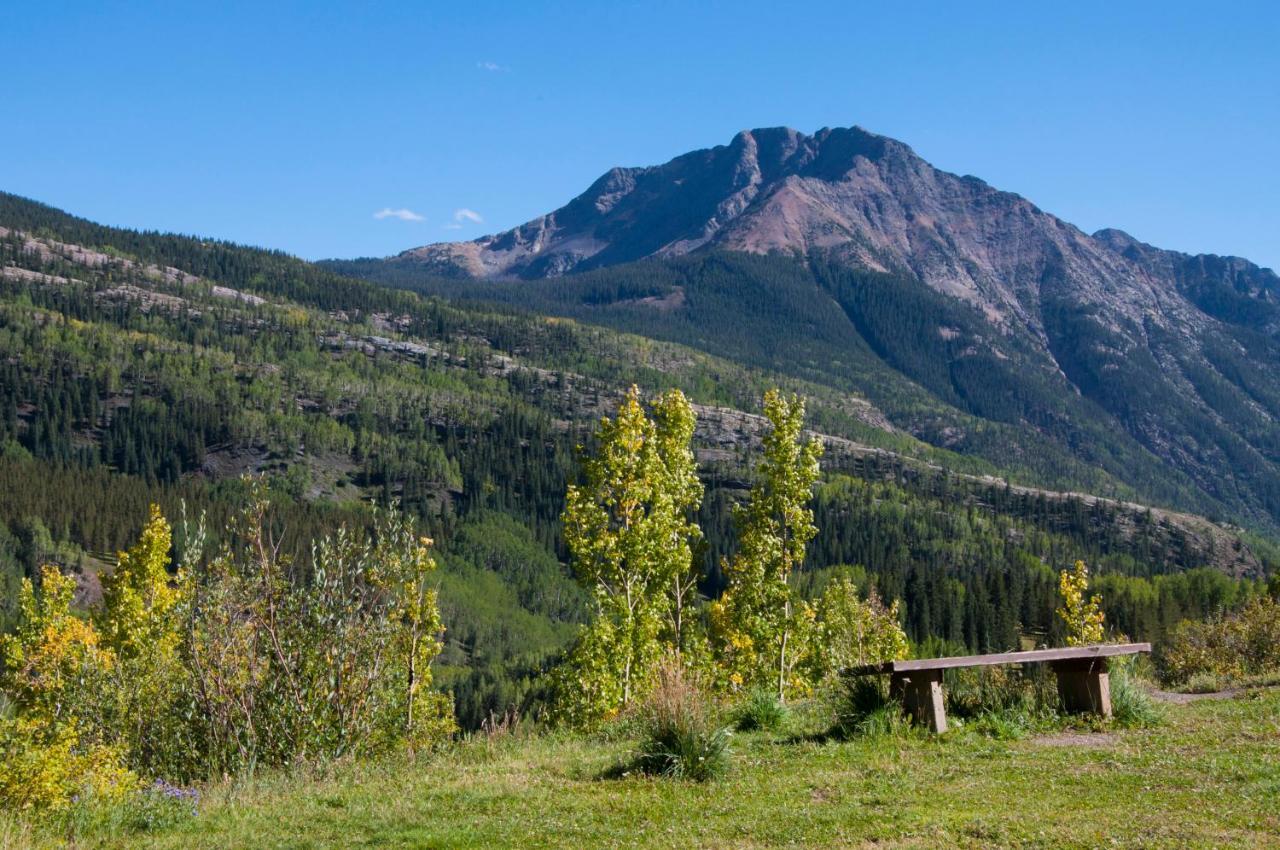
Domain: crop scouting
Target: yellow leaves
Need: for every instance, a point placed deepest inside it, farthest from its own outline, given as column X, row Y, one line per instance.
column 1084, row 619
column 48, row 662
column 52, row 649
column 629, row 534
column 138, row 595
column 43, row 767
column 64, row 671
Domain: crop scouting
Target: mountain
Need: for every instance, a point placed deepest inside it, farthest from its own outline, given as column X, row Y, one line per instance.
column 868, row 201
column 973, row 319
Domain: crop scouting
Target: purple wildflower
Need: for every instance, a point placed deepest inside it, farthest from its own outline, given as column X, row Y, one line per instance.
column 177, row 793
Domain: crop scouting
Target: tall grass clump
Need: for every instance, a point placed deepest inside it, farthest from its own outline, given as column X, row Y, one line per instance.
column 862, row 706
column 1001, row 702
column 1131, row 704
column 680, row 736
column 761, row 711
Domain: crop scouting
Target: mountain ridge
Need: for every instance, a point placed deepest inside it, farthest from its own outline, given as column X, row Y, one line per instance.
column 1174, row 350
column 871, row 202
column 756, row 167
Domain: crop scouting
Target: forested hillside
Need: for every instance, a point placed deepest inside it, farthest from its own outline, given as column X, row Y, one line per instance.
column 144, row 367
column 935, row 369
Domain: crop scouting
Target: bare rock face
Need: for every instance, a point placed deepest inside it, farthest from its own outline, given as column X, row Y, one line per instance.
column 867, row 200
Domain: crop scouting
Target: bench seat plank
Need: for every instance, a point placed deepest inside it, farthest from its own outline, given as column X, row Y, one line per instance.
column 1027, row 657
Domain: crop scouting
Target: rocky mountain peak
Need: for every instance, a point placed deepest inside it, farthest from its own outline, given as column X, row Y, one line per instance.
column 868, row 201
column 680, row 206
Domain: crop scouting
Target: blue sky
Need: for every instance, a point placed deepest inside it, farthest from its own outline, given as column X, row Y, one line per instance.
column 293, row 125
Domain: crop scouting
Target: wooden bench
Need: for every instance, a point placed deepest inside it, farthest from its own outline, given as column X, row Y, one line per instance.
column 1083, row 682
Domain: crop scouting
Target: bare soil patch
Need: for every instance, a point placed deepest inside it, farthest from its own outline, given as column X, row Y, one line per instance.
column 1075, row 739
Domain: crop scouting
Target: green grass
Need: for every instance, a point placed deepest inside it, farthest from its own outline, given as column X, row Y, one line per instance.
column 761, row 711
column 1207, row 776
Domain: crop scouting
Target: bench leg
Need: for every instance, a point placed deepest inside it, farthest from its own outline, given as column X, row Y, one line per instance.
column 1084, row 686
column 921, row 694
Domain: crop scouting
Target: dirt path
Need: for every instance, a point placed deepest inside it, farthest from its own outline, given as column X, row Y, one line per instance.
column 1176, row 698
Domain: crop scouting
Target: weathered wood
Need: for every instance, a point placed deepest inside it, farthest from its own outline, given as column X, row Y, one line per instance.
column 1084, row 683
column 921, row 695
column 1034, row 656
column 1084, row 686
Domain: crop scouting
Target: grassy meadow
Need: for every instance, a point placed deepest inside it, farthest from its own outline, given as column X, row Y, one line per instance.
column 1207, row 775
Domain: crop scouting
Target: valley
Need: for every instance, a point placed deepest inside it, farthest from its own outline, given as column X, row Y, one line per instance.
column 158, row 368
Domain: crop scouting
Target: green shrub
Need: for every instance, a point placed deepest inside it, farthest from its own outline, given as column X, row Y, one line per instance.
column 331, row 661
column 242, row 660
column 850, row 631
column 681, row 738
column 1236, row 646
column 763, row 711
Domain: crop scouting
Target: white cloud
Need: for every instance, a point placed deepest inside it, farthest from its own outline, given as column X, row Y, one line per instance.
column 491, row 66
column 402, row 214
column 463, row 214
column 452, row 226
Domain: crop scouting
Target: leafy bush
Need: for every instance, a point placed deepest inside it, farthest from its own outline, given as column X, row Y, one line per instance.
column 761, row 710
column 850, row 631
column 242, row 660
column 45, row 767
column 1239, row 645
column 291, row 664
column 681, row 738
column 55, row 677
